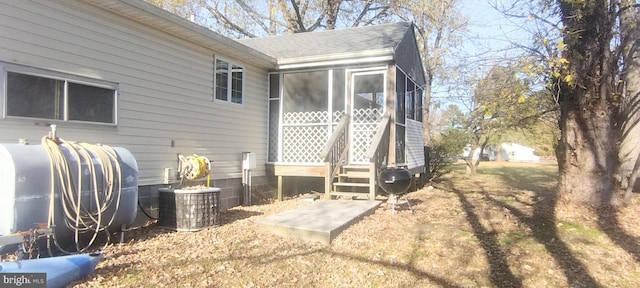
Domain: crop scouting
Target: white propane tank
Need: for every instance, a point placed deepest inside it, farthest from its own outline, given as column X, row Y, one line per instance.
column 25, row 190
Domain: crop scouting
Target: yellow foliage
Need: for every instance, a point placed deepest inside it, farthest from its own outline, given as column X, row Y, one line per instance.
column 569, row 79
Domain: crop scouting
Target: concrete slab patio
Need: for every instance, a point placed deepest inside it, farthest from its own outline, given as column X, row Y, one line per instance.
column 321, row 221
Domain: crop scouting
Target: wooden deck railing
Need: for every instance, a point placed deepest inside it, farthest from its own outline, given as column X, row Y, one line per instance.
column 378, row 153
column 336, row 151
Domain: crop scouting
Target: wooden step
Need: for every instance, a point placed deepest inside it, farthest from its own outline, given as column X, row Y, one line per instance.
column 355, row 174
column 351, row 187
column 351, row 184
column 355, row 167
column 354, row 180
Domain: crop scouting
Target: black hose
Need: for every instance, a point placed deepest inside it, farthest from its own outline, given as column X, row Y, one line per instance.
column 145, row 212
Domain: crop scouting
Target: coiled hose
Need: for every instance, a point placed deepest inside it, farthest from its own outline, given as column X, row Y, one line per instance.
column 78, row 215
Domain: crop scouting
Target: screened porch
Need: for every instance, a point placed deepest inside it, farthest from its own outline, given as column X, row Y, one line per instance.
column 314, row 114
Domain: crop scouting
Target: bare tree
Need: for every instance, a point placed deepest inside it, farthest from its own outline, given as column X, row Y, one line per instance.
column 439, row 28
column 183, row 8
column 255, row 18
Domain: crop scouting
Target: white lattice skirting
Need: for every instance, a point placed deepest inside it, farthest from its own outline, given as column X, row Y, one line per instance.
column 305, row 134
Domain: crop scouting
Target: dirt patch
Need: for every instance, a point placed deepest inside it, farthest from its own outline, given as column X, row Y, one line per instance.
column 503, row 228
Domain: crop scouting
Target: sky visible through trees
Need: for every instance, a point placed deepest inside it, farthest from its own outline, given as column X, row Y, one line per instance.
column 488, row 41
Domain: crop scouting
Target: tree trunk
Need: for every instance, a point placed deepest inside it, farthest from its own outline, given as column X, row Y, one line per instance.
column 471, row 166
column 629, row 154
column 272, row 17
column 587, row 153
column 588, row 148
column 331, row 12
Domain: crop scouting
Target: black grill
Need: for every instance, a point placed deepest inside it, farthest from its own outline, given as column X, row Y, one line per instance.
column 395, row 181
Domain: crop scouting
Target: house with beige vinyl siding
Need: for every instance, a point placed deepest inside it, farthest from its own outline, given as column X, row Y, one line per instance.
column 128, row 74
column 151, row 75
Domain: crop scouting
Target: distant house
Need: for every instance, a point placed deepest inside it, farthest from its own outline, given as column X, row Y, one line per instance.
column 486, row 154
column 506, row 152
column 338, row 105
column 518, row 153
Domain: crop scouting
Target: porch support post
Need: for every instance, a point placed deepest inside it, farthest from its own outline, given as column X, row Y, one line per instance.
column 280, row 180
column 327, row 179
column 372, row 181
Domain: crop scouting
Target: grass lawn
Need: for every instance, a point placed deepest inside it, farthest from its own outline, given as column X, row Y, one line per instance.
column 504, row 227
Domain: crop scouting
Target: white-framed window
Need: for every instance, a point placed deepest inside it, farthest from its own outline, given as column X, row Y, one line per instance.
column 34, row 93
column 228, row 81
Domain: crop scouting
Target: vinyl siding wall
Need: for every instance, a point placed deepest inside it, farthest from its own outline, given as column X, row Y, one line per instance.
column 407, row 57
column 415, row 145
column 165, row 87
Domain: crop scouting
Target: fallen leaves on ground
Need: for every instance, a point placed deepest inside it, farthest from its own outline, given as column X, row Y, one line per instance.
column 489, row 230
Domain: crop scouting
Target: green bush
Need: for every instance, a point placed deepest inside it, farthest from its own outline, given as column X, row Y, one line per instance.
column 444, row 150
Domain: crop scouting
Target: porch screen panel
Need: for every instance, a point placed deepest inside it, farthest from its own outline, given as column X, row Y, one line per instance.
column 400, row 144
column 338, row 108
column 409, row 100
column 274, row 113
column 274, row 116
column 338, row 101
column 400, row 94
column 367, row 110
column 419, row 101
column 305, row 116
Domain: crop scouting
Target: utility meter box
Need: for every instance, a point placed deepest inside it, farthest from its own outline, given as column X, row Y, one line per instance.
column 170, row 176
column 248, row 160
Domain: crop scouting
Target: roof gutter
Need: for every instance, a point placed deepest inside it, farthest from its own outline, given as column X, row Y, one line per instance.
column 334, row 63
column 362, row 57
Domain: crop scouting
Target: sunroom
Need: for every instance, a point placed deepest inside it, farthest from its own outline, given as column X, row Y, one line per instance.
column 345, row 112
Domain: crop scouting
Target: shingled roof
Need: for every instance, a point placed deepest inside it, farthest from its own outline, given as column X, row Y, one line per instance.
column 359, row 42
